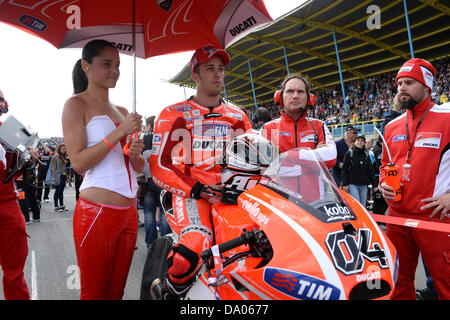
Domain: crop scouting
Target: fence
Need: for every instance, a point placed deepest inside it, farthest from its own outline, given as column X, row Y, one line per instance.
column 365, row 127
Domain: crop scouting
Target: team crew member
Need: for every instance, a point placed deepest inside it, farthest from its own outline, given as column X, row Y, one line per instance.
column 294, row 128
column 105, row 220
column 419, row 138
column 13, row 237
column 188, row 141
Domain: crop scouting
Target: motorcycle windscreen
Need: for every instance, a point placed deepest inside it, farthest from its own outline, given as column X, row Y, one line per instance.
column 303, row 176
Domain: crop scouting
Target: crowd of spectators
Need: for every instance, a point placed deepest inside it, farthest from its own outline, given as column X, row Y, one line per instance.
column 368, row 99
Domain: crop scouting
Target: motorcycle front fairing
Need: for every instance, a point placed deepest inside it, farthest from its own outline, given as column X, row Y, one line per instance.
column 325, row 244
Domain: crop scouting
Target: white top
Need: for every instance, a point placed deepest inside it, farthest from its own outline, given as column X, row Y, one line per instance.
column 114, row 172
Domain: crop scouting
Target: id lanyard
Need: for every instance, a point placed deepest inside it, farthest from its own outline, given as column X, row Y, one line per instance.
column 406, row 175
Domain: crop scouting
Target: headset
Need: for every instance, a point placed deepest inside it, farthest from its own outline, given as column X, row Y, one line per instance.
column 278, row 99
column 278, row 96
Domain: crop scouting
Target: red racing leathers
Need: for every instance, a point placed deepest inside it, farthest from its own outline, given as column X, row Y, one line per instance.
column 287, row 134
column 13, row 237
column 430, row 176
column 188, row 141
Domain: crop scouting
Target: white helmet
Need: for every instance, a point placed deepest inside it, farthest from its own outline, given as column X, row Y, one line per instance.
column 245, row 159
column 249, row 153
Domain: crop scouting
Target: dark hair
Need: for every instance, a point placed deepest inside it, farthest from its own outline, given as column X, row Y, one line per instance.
column 295, row 76
column 150, row 121
column 90, row 50
column 262, row 114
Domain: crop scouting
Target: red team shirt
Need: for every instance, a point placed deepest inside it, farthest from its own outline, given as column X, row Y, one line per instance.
column 430, row 155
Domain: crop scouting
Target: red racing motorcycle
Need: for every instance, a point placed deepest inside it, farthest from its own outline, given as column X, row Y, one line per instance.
column 285, row 233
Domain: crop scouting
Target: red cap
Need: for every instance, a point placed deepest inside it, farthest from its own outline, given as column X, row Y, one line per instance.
column 205, row 53
column 418, row 69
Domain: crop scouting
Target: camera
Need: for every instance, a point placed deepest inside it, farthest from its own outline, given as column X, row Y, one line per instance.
column 16, row 139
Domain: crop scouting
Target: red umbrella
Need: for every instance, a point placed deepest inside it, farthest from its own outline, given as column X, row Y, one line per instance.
column 144, row 28
column 162, row 26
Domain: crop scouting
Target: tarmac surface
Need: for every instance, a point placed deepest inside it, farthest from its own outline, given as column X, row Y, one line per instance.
column 51, row 268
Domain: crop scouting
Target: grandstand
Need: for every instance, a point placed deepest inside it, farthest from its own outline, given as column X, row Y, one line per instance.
column 302, row 41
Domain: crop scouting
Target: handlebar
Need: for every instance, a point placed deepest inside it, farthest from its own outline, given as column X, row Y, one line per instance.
column 245, row 238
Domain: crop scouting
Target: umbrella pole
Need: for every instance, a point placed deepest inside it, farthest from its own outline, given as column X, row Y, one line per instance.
column 133, row 93
column 133, row 30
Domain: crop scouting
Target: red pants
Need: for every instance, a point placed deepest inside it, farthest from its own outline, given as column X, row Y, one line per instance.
column 105, row 238
column 435, row 249
column 13, row 251
column 192, row 222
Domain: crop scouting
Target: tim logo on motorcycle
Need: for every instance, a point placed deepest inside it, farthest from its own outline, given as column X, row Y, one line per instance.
column 300, row 286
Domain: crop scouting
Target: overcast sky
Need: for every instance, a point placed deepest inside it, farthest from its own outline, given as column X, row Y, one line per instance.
column 36, row 77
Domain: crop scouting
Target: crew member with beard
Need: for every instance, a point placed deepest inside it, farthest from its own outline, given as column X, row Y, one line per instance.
column 419, row 139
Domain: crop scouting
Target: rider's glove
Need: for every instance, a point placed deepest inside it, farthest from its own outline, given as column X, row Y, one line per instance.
column 201, row 191
column 212, row 191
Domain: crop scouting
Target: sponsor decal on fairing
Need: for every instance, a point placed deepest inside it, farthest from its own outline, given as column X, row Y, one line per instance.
column 335, row 212
column 357, row 249
column 253, row 209
column 299, row 285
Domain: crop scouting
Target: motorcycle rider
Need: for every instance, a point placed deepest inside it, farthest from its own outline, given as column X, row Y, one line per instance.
column 294, row 129
column 188, row 141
